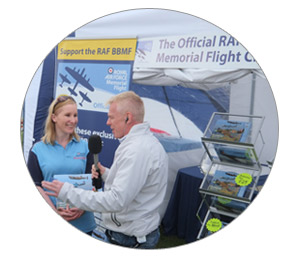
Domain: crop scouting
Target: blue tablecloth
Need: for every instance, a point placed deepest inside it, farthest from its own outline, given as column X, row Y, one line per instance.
column 180, row 217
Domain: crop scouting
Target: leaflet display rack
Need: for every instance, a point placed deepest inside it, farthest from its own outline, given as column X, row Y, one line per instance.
column 231, row 165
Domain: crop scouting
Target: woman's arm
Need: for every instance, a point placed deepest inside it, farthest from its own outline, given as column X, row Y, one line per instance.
column 34, row 169
column 46, row 197
column 37, row 176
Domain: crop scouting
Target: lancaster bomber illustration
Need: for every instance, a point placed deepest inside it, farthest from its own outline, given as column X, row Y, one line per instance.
column 80, row 78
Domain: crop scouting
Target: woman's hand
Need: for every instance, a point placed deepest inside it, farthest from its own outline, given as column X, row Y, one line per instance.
column 55, row 187
column 70, row 214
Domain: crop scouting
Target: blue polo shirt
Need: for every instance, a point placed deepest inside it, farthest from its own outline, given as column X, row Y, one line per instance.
column 46, row 160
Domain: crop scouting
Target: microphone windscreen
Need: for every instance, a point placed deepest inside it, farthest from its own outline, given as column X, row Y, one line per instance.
column 95, row 144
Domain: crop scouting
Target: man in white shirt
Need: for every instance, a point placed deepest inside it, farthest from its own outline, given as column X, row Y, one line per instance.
column 135, row 184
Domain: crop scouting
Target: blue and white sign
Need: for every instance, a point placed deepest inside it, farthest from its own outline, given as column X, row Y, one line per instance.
column 92, row 77
column 92, row 84
column 216, row 50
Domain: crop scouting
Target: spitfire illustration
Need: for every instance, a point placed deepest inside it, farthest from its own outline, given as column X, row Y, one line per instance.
column 64, row 79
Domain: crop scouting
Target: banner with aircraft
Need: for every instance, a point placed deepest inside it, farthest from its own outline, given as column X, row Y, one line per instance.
column 92, row 71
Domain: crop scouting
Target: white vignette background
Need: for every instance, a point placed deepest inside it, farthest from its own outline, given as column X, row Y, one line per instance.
column 30, row 29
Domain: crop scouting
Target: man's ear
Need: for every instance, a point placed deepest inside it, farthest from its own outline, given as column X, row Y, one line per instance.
column 128, row 117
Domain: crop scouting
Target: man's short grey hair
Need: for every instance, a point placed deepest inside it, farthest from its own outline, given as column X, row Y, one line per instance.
column 129, row 101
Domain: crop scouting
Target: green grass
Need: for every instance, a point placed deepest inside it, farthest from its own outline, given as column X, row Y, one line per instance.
column 169, row 241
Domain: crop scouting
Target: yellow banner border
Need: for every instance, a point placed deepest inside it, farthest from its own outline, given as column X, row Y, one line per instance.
column 97, row 49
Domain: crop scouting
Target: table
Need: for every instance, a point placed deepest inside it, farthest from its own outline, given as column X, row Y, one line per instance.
column 181, row 153
column 180, row 217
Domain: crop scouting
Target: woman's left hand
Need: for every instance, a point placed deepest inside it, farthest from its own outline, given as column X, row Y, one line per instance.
column 70, row 214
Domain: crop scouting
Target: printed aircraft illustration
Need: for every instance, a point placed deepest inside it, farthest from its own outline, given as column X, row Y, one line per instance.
column 64, row 79
column 84, row 98
column 77, row 184
column 80, row 78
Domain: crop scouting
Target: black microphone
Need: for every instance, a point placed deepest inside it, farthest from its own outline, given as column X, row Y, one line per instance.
column 95, row 146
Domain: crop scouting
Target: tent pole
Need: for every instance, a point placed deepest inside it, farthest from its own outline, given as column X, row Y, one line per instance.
column 252, row 93
column 168, row 102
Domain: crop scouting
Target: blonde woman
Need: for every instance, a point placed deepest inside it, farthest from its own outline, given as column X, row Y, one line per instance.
column 61, row 151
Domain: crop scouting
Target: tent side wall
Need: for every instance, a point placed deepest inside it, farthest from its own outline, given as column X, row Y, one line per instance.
column 262, row 104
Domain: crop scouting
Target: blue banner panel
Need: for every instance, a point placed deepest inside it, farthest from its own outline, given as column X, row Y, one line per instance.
column 92, row 84
column 93, row 71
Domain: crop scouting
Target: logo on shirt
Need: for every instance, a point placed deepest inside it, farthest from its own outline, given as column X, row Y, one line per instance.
column 80, row 155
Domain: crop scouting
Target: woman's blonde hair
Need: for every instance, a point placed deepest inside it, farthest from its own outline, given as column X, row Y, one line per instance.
column 49, row 131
